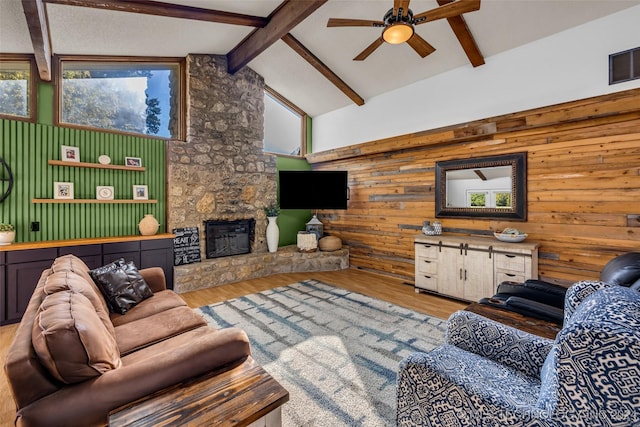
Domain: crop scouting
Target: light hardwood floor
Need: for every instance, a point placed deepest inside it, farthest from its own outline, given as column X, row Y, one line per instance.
column 374, row 285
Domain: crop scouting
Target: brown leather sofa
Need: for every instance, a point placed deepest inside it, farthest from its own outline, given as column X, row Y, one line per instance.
column 72, row 361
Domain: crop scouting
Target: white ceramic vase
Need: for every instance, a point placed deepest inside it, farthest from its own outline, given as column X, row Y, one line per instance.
column 273, row 234
column 6, row 237
column 149, row 225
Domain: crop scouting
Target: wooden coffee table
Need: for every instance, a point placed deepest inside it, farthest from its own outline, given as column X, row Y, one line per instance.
column 242, row 396
column 532, row 325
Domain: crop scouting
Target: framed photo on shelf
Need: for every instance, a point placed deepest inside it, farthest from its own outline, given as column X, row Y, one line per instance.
column 70, row 154
column 135, row 162
column 140, row 192
column 63, row 190
column 104, row 192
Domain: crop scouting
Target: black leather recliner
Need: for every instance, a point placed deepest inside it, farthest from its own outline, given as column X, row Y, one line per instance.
column 544, row 300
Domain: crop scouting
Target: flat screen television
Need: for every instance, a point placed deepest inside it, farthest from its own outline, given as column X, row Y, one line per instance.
column 313, row 190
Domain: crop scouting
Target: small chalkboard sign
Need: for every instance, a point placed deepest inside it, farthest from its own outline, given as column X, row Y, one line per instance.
column 186, row 245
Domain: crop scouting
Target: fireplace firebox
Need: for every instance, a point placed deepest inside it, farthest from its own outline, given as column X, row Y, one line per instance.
column 226, row 238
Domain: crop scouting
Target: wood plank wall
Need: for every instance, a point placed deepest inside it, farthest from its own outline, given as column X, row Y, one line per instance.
column 583, row 186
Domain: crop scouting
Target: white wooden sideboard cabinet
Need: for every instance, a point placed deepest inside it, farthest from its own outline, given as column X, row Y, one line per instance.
column 470, row 268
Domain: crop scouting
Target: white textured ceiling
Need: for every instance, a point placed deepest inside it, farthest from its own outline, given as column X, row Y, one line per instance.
column 498, row 26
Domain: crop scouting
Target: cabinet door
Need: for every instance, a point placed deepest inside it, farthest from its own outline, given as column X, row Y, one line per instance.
column 158, row 253
column 451, row 272
column 130, row 251
column 3, row 288
column 478, row 276
column 21, row 281
column 89, row 254
column 23, row 270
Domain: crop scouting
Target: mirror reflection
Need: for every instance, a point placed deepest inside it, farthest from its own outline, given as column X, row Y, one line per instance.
column 479, row 188
column 483, row 187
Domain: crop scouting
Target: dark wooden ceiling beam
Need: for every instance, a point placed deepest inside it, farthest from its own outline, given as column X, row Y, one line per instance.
column 37, row 23
column 289, row 14
column 462, row 32
column 167, row 9
column 316, row 63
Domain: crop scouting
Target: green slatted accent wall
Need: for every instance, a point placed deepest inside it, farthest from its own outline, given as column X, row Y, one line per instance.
column 27, row 147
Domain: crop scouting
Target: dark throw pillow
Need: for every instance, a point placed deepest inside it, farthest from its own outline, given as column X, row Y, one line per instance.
column 121, row 284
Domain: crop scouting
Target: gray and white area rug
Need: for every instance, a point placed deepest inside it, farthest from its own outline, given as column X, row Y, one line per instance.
column 335, row 351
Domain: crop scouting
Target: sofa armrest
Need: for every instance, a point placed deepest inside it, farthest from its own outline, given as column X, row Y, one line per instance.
column 493, row 340
column 185, row 356
column 154, row 276
column 578, row 292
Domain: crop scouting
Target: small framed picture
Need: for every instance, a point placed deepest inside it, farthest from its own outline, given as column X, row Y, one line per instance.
column 63, row 190
column 70, row 154
column 135, row 162
column 140, row 192
column 104, row 192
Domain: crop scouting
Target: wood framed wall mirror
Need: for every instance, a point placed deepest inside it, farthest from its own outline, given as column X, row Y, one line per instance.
column 483, row 187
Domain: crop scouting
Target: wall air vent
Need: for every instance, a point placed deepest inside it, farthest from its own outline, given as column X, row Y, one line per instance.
column 624, row 66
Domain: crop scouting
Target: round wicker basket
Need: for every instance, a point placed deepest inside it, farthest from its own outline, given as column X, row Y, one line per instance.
column 330, row 243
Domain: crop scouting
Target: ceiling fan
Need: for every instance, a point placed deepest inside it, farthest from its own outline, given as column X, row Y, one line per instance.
column 398, row 24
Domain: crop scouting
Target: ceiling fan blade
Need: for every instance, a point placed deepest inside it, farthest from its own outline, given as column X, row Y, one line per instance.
column 420, row 45
column 449, row 10
column 404, row 4
column 369, row 50
column 340, row 22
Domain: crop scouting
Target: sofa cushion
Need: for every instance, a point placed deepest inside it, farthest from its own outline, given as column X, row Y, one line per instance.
column 70, row 281
column 71, row 263
column 622, row 270
column 121, row 284
column 161, row 301
column 71, row 340
column 146, row 331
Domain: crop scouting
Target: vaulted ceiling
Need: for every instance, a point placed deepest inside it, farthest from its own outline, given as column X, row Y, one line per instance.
column 289, row 42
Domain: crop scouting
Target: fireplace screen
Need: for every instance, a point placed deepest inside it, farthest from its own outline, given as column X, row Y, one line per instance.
column 225, row 238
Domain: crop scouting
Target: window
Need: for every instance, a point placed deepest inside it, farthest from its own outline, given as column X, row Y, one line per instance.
column 17, row 87
column 502, row 199
column 141, row 96
column 624, row 66
column 477, row 198
column 285, row 126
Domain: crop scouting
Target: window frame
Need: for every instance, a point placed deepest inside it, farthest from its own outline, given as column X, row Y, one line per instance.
column 303, row 122
column 633, row 73
column 33, row 83
column 182, row 101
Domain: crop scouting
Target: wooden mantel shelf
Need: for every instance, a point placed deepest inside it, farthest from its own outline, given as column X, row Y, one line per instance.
column 96, row 166
column 76, row 201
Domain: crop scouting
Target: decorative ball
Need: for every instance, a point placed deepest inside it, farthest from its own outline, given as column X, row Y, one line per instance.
column 330, row 243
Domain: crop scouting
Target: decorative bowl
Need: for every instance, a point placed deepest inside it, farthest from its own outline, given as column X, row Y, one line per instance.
column 512, row 238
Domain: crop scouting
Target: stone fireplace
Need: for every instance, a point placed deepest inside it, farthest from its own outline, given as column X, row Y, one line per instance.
column 221, row 171
column 226, row 238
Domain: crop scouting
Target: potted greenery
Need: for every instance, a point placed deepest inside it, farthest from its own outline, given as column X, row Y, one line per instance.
column 271, row 210
column 7, row 234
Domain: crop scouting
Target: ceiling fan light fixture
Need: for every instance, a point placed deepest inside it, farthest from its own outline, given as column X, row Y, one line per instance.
column 397, row 33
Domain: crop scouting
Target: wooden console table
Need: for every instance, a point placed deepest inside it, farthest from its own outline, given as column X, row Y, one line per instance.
column 243, row 396
column 532, row 325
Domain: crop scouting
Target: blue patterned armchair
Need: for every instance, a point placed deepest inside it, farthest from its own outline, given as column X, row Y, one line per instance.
column 489, row 374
